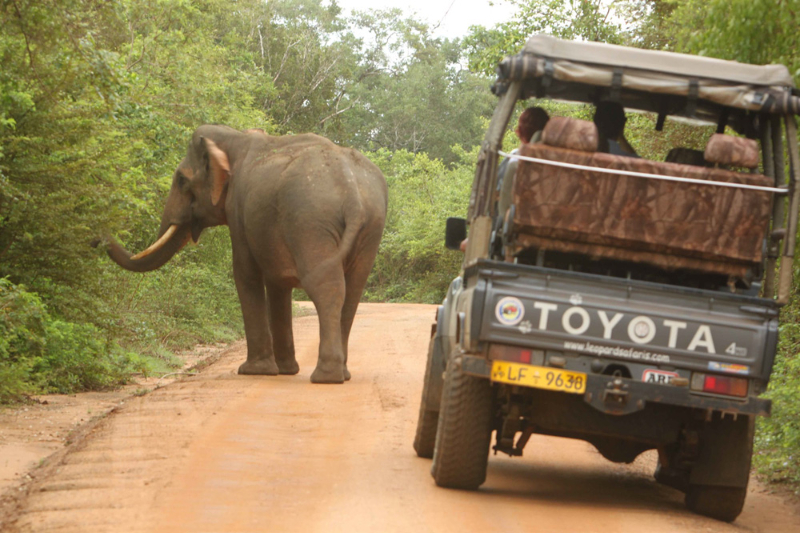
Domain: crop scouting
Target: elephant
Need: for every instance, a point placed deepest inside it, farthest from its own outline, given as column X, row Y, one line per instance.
column 301, row 211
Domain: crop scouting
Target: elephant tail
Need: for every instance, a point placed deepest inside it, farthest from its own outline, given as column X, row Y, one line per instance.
column 354, row 221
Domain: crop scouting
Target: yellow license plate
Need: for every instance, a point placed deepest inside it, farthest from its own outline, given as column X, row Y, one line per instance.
column 538, row 377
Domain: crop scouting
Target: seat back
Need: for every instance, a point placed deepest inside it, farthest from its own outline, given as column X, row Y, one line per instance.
column 667, row 224
column 732, row 151
column 571, row 133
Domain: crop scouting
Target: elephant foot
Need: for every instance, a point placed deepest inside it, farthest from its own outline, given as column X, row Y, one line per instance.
column 328, row 373
column 288, row 367
column 259, row 367
column 346, row 374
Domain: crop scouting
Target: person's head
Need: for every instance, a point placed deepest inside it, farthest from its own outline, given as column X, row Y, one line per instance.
column 609, row 117
column 530, row 121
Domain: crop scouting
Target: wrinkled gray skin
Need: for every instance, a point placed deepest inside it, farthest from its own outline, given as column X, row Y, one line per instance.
column 302, row 212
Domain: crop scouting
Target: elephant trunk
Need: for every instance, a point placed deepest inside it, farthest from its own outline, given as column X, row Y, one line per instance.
column 168, row 244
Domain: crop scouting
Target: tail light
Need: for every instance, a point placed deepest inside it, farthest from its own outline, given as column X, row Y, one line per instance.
column 715, row 384
column 514, row 354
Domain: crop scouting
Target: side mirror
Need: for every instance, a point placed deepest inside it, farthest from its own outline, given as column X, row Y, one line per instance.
column 455, row 233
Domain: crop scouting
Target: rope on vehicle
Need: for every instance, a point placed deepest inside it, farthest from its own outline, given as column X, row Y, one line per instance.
column 776, row 190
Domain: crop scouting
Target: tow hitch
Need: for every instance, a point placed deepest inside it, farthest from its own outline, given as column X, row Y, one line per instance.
column 615, row 393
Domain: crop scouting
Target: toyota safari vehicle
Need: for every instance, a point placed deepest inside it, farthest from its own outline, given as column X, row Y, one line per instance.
column 627, row 302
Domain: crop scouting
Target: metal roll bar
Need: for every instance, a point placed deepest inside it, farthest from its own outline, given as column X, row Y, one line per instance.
column 786, row 271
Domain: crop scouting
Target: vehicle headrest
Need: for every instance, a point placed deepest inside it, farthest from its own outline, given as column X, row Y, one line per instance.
column 572, row 133
column 732, row 151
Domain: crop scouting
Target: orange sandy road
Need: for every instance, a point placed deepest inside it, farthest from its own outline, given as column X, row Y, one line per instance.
column 226, row 453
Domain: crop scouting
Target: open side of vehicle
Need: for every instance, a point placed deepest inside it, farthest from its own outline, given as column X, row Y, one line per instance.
column 629, row 303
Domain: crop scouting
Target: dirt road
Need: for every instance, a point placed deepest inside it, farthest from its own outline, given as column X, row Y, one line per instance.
column 226, row 453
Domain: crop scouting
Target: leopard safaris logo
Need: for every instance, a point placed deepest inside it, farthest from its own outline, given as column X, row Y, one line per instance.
column 509, row 311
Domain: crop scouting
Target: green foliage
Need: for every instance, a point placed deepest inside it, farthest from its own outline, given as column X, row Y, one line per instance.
column 749, row 31
column 22, row 322
column 75, row 358
column 413, row 93
column 41, row 354
column 778, row 437
column 96, row 103
column 640, row 131
column 591, row 20
column 639, row 23
column 412, row 263
column 190, row 300
column 308, row 57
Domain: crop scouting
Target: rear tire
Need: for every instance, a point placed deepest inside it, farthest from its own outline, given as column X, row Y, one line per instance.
column 718, row 479
column 722, row 503
column 428, row 421
column 464, row 434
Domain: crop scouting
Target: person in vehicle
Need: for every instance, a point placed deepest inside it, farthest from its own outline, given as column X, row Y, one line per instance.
column 529, row 129
column 609, row 117
column 531, row 122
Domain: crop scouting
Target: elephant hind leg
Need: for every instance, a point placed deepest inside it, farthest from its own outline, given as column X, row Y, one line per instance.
column 280, row 324
column 355, row 281
column 325, row 286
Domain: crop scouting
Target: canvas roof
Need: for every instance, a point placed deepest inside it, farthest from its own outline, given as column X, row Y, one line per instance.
column 567, row 68
column 655, row 61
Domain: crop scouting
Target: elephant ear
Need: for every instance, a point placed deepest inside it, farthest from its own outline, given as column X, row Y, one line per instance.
column 220, row 169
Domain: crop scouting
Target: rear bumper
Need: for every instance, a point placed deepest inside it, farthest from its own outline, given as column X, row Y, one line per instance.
column 621, row 396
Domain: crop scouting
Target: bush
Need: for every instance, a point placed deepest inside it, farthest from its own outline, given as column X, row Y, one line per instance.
column 412, row 264
column 778, row 437
column 22, row 339
column 190, row 300
column 75, row 358
column 42, row 354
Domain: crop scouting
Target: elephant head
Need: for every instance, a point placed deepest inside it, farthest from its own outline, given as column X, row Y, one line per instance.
column 196, row 200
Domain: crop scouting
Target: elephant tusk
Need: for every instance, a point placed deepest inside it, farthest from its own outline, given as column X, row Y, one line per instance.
column 158, row 244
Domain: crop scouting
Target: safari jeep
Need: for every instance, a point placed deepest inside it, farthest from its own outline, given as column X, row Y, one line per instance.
column 627, row 302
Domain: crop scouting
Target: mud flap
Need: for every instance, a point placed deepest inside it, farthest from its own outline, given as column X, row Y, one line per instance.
column 434, row 379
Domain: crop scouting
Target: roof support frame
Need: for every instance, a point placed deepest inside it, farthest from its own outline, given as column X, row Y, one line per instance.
column 486, row 172
column 768, row 134
column 787, row 260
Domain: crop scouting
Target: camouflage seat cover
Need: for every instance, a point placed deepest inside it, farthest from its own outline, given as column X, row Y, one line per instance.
column 667, row 224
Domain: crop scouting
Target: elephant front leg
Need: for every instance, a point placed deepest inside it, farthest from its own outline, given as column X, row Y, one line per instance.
column 280, row 324
column 252, row 297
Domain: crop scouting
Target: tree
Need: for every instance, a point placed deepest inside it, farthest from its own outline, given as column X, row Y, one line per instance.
column 591, row 20
column 427, row 103
column 758, row 31
column 96, row 100
column 413, row 264
column 639, row 23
